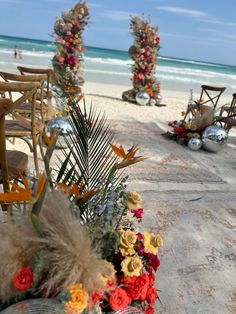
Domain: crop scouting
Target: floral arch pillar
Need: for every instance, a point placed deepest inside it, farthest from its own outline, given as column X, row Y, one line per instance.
column 69, row 53
column 144, row 52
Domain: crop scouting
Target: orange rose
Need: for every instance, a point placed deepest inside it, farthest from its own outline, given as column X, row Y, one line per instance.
column 119, row 299
column 79, row 299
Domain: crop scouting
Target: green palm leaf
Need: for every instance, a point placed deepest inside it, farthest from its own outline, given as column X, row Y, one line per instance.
column 89, row 157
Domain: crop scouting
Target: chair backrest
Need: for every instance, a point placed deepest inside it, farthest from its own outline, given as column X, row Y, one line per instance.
column 48, row 72
column 6, row 106
column 213, row 94
column 27, row 91
column 41, row 78
column 230, row 119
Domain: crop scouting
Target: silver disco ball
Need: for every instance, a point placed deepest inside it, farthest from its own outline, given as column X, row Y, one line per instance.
column 35, row 306
column 214, row 138
column 64, row 128
column 152, row 102
column 158, row 99
column 142, row 98
column 195, row 143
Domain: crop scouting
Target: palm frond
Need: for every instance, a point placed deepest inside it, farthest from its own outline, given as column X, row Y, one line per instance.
column 88, row 156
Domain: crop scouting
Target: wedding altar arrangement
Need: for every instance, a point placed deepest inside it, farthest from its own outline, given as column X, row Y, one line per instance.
column 144, row 51
column 198, row 129
column 78, row 246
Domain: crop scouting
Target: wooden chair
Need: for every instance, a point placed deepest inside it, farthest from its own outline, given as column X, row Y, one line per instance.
column 12, row 163
column 25, row 127
column 47, row 72
column 229, row 120
column 26, row 107
column 212, row 95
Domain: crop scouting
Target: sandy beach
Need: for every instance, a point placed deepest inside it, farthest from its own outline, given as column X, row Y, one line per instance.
column 188, row 197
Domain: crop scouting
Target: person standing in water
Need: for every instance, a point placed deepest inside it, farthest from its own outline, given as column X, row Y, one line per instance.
column 15, row 52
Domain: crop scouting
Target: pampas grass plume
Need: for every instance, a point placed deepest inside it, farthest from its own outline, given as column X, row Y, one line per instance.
column 68, row 256
column 15, row 251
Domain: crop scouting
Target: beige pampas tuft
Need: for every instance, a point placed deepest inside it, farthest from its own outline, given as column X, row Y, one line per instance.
column 15, row 252
column 68, row 256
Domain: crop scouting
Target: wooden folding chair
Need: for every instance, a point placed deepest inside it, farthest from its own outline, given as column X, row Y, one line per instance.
column 48, row 72
column 25, row 127
column 229, row 120
column 212, row 95
column 12, row 163
column 25, row 108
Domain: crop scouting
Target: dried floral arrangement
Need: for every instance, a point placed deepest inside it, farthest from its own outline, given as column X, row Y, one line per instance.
column 196, row 119
column 81, row 244
column 69, row 52
column 144, row 52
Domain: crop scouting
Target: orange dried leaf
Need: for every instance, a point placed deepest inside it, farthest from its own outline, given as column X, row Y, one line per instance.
column 49, row 141
column 132, row 152
column 18, row 193
column 63, row 186
column 120, row 152
column 75, row 189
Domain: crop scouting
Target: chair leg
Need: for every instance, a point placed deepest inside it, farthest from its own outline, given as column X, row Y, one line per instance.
column 34, row 140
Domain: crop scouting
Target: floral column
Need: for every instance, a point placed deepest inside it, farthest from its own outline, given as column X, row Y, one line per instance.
column 144, row 52
column 69, row 52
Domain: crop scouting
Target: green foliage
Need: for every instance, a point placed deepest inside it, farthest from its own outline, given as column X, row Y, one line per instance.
column 37, row 269
column 110, row 242
column 64, row 296
column 89, row 159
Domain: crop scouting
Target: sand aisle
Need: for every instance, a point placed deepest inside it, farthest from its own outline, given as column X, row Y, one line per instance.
column 189, row 197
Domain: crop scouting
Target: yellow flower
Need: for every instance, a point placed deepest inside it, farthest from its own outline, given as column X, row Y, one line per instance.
column 196, row 135
column 79, row 300
column 134, row 200
column 152, row 242
column 128, row 239
column 109, row 273
column 131, row 266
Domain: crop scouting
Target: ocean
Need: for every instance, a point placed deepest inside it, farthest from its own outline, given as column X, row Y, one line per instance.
column 113, row 66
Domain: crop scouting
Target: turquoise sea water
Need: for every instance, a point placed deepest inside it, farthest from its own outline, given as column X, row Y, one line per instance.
column 113, row 66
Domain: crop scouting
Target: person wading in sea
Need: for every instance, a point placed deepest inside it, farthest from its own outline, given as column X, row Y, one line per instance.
column 15, row 52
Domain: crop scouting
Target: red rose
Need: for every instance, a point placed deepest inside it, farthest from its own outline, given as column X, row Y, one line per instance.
column 143, row 293
column 96, row 297
column 119, row 299
column 142, row 280
column 151, row 277
column 153, row 261
column 140, row 236
column 151, row 295
column 23, row 279
column 149, row 310
column 137, row 212
column 133, row 292
column 129, row 280
column 129, row 285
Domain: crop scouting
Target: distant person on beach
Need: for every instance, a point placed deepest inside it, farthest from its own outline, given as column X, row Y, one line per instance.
column 15, row 52
column 20, row 53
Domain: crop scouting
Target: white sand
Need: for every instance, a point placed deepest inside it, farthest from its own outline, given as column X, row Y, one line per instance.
column 107, row 98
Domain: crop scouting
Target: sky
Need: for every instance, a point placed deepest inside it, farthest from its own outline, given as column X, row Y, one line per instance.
column 193, row 29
